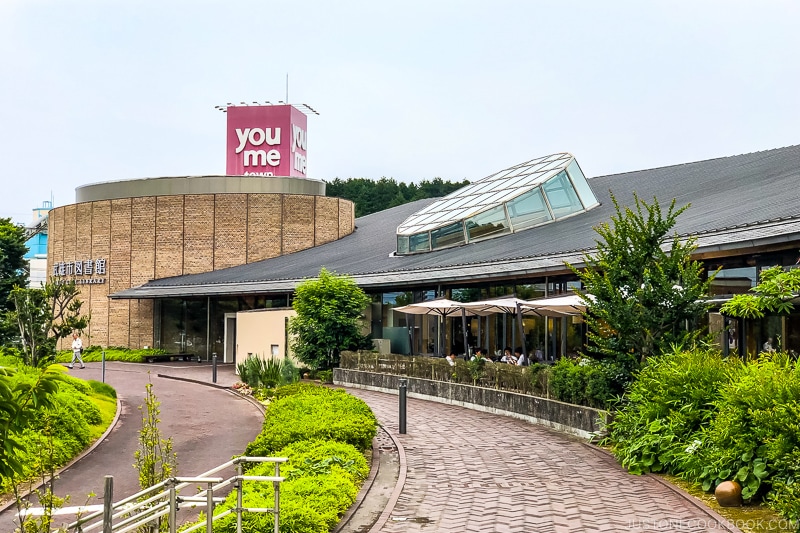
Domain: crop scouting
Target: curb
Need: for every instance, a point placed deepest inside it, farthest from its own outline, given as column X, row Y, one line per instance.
column 258, row 405
column 398, row 488
column 719, row 519
column 365, row 488
column 190, row 380
column 84, row 453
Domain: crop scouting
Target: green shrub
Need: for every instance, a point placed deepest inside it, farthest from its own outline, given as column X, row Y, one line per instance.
column 667, row 404
column 755, row 434
column 321, row 414
column 314, row 457
column 103, row 389
column 60, row 433
column 321, row 476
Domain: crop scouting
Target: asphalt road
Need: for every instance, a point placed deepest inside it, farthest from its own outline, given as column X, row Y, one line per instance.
column 207, row 425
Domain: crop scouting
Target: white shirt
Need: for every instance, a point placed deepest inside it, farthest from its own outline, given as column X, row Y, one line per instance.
column 77, row 344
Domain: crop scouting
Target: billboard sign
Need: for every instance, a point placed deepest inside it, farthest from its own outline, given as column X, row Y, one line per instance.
column 266, row 141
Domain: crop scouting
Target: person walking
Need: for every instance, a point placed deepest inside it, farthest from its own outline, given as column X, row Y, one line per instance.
column 77, row 350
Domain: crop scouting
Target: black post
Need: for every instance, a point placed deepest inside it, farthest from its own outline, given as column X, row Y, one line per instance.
column 103, row 366
column 214, row 367
column 403, row 387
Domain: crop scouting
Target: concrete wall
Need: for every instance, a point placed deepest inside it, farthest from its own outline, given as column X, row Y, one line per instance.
column 151, row 237
column 257, row 331
column 577, row 420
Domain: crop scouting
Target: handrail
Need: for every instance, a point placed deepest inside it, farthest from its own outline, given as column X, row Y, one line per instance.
column 163, row 499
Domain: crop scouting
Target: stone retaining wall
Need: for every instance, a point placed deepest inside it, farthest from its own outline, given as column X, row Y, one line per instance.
column 584, row 422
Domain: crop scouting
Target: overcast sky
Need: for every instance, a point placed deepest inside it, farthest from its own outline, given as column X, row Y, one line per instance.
column 102, row 90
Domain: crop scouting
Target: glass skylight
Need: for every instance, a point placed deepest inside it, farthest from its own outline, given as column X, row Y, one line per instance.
column 536, row 192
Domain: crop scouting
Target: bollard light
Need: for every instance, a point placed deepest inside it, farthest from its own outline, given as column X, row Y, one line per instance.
column 214, row 367
column 403, row 388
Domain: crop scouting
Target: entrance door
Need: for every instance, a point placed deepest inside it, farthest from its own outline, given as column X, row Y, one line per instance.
column 230, row 338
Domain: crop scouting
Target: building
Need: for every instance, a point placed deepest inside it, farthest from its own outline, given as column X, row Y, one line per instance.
column 37, row 245
column 172, row 262
column 745, row 214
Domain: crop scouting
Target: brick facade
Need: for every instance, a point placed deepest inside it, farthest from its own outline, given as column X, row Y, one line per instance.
column 152, row 237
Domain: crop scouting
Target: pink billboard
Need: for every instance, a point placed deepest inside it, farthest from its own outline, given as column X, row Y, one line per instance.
column 266, row 141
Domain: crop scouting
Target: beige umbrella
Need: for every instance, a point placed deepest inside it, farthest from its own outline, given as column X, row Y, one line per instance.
column 506, row 304
column 441, row 307
column 572, row 304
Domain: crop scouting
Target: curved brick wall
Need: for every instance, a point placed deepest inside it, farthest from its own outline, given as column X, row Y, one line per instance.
column 153, row 237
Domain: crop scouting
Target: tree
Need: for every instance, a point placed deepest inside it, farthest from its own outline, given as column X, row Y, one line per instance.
column 773, row 294
column 645, row 288
column 154, row 460
column 13, row 269
column 45, row 316
column 329, row 312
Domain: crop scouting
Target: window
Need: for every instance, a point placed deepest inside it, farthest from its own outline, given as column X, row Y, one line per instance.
column 561, row 196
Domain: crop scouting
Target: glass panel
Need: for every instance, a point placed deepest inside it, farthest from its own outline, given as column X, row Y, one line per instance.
column 447, row 236
column 528, row 210
column 581, row 185
column 561, row 195
column 734, row 281
column 491, row 222
column 419, row 242
column 402, row 244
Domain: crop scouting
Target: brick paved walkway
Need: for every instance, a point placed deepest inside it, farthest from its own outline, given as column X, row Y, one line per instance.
column 474, row 471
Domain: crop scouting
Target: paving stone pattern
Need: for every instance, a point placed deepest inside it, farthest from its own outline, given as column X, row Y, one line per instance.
column 475, row 471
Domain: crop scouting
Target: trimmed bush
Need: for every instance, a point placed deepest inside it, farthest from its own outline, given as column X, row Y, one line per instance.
column 318, row 427
column 329, row 415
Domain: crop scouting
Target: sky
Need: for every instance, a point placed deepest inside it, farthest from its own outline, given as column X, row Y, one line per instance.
column 106, row 90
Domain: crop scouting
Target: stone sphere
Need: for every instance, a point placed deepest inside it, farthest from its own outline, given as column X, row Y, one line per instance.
column 729, row 494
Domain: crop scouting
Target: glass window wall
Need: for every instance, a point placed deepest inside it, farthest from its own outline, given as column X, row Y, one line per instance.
column 487, row 224
column 561, row 196
column 528, row 210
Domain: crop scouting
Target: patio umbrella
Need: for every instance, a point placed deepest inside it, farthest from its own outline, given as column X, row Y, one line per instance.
column 506, row 304
column 443, row 308
column 571, row 304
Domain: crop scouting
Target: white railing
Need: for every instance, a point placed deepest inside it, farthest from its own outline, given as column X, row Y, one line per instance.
column 147, row 507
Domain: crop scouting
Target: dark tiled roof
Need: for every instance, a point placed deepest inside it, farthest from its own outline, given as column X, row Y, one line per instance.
column 742, row 192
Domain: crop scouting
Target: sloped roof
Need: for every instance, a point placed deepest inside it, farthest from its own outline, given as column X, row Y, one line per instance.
column 735, row 201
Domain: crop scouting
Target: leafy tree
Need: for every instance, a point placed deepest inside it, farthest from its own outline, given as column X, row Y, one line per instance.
column 329, row 311
column 13, row 269
column 773, row 294
column 644, row 286
column 45, row 316
column 154, row 459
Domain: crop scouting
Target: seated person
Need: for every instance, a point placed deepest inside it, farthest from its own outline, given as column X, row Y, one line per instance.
column 451, row 358
column 508, row 357
column 480, row 353
column 519, row 357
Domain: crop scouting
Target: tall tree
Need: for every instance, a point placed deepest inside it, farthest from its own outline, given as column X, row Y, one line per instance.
column 329, row 314
column 645, row 288
column 45, row 316
column 13, row 270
